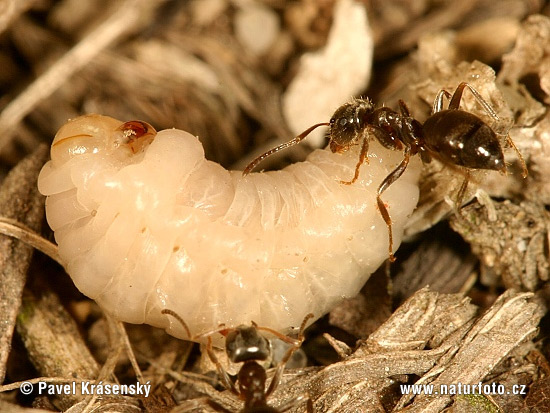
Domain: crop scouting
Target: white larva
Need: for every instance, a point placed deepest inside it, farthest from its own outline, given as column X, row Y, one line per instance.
column 144, row 222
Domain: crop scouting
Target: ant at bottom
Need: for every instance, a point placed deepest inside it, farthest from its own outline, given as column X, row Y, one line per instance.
column 245, row 344
column 457, row 138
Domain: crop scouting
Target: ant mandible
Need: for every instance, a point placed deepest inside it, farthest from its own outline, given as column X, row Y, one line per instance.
column 244, row 344
column 453, row 136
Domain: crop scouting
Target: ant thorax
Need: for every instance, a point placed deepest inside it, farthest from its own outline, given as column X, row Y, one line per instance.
column 348, row 123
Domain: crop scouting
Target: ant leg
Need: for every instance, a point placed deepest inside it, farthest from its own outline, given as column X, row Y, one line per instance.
column 438, row 101
column 223, row 374
column 309, row 406
column 281, row 366
column 229, row 385
column 462, row 191
column 285, row 145
column 390, row 179
column 362, row 157
column 226, row 380
column 222, row 329
column 287, row 339
column 405, row 112
column 489, row 109
column 524, row 172
column 457, row 97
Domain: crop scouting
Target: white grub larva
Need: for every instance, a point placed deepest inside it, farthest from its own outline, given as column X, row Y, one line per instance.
column 144, row 222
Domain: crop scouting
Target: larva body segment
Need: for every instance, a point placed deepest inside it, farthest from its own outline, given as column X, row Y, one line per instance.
column 162, row 227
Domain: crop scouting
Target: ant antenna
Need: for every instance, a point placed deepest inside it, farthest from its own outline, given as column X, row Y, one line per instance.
column 180, row 320
column 285, row 145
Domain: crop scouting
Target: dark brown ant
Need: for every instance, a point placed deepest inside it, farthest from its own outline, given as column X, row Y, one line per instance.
column 453, row 136
column 244, row 344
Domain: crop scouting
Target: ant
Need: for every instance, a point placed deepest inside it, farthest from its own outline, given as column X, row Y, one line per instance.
column 453, row 136
column 244, row 344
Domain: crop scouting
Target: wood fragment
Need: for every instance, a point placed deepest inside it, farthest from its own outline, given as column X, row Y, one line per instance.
column 53, row 341
column 512, row 320
column 124, row 20
column 11, row 9
column 19, row 201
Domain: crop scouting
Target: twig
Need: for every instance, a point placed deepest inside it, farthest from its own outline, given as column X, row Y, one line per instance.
column 125, row 20
column 11, row 9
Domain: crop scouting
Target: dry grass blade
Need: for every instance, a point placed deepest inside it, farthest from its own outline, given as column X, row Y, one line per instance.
column 19, row 231
column 124, row 20
column 11, row 9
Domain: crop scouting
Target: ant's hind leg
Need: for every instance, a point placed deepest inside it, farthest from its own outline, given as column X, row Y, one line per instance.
column 524, row 171
column 460, row 196
column 390, row 179
column 462, row 190
column 438, row 101
column 457, row 97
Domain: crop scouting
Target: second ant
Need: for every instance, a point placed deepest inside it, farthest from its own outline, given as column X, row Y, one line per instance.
column 245, row 344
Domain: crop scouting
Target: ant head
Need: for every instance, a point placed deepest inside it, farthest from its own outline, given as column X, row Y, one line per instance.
column 347, row 123
column 245, row 343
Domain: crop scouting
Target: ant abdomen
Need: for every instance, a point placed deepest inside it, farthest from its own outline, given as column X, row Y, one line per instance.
column 460, row 138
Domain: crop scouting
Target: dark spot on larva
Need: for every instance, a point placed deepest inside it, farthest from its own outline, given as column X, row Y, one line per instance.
column 117, row 214
column 306, row 259
column 176, row 249
column 224, row 271
column 143, row 229
column 93, row 213
column 137, row 134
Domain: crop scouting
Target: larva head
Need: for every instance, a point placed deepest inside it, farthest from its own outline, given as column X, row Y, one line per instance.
column 91, row 134
column 347, row 123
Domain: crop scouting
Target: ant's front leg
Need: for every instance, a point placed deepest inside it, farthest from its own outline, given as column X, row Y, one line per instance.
column 390, row 141
column 224, row 376
column 390, row 179
column 362, row 158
